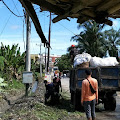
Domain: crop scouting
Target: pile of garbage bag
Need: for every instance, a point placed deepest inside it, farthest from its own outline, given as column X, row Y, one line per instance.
column 108, row 61
column 81, row 58
column 94, row 61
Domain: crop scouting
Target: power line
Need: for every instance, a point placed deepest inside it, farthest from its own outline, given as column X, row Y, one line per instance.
column 16, row 8
column 67, row 29
column 63, row 26
column 10, row 9
column 7, row 21
column 5, row 25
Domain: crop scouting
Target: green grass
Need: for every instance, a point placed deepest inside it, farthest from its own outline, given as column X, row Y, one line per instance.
column 61, row 111
column 14, row 84
column 40, row 111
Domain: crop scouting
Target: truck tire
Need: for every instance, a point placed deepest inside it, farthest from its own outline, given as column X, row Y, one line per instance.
column 110, row 104
column 77, row 101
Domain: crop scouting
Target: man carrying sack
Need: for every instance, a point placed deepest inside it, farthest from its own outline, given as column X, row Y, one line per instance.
column 89, row 95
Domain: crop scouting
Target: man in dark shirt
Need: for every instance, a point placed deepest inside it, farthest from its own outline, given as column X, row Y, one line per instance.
column 57, row 84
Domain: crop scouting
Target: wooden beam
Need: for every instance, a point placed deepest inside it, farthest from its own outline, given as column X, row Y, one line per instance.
column 31, row 12
column 82, row 19
column 50, row 7
column 114, row 9
column 106, row 4
column 76, row 7
column 89, row 13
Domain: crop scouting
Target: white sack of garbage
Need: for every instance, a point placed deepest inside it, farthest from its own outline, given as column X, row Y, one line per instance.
column 81, row 58
column 97, row 61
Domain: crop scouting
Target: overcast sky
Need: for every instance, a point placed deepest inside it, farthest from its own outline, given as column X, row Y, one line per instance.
column 11, row 30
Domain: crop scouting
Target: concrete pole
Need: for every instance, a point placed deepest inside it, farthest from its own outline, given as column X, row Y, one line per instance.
column 28, row 61
column 40, row 63
column 40, row 60
column 45, row 61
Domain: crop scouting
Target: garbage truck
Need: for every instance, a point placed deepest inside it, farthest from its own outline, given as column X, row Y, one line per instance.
column 108, row 78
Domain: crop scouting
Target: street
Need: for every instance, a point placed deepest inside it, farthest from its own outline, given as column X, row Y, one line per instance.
column 100, row 112
column 109, row 115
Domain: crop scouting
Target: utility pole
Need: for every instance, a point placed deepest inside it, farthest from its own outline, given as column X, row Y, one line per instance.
column 40, row 61
column 28, row 62
column 45, row 61
column 49, row 43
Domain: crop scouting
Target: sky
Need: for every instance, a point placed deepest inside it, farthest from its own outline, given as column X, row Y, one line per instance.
column 13, row 32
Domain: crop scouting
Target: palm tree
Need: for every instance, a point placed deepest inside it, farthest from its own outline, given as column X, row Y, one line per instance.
column 113, row 39
column 91, row 40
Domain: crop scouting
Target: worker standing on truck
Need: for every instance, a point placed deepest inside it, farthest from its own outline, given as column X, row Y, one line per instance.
column 73, row 53
column 89, row 99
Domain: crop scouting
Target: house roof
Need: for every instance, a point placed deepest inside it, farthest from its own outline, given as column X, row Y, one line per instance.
column 83, row 10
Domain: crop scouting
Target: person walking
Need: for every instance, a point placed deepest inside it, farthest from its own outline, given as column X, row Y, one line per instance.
column 89, row 99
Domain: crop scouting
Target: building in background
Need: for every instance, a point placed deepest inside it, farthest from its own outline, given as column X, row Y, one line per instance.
column 36, row 58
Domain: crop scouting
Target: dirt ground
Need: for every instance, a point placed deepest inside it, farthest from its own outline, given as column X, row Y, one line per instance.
column 27, row 105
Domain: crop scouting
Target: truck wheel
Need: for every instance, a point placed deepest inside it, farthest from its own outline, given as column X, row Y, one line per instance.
column 110, row 104
column 77, row 101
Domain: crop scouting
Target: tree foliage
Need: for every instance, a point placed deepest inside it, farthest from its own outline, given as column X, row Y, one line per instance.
column 91, row 40
column 63, row 62
column 12, row 61
column 113, row 41
column 97, row 42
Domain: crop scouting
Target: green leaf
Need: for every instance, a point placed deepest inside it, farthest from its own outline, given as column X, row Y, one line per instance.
column 1, row 80
column 3, row 84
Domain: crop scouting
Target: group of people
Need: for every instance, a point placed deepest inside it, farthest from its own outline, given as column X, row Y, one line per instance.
column 88, row 99
column 52, row 89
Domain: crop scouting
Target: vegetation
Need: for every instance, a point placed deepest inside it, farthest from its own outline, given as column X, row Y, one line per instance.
column 95, row 42
column 2, row 84
column 35, row 110
column 113, row 41
column 91, row 40
column 63, row 62
column 12, row 62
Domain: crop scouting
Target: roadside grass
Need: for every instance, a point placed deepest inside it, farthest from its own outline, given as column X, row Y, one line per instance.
column 35, row 110
column 62, row 111
column 15, row 84
column 12, row 89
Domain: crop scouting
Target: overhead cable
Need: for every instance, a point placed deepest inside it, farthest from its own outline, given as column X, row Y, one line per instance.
column 10, row 9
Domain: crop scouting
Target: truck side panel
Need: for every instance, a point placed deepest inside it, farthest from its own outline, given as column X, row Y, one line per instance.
column 110, row 77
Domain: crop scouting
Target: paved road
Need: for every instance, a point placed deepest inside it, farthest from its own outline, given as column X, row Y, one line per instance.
column 65, row 83
column 100, row 113
column 109, row 115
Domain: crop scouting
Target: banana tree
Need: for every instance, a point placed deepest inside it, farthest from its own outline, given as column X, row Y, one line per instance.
column 13, row 59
